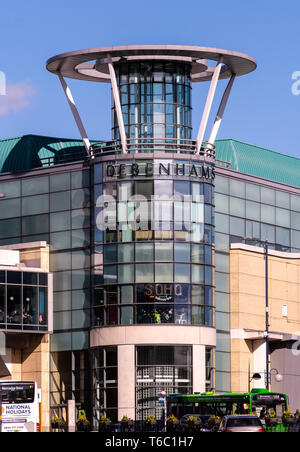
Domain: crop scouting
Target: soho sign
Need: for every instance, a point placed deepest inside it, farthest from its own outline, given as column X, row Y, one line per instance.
column 148, row 169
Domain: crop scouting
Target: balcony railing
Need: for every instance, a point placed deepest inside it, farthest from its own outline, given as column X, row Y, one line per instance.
column 135, row 145
column 153, row 145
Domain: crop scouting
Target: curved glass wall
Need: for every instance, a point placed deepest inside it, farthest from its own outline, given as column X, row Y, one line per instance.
column 155, row 99
column 153, row 239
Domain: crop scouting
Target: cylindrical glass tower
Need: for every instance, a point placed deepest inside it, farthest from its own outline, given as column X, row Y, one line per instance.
column 155, row 98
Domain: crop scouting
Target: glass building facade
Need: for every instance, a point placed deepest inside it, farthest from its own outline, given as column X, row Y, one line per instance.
column 153, row 255
column 256, row 211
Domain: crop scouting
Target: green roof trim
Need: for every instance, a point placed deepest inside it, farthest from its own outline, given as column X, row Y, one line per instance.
column 32, row 151
column 258, row 161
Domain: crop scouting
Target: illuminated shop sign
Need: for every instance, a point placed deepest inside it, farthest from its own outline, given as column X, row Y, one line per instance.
column 150, row 169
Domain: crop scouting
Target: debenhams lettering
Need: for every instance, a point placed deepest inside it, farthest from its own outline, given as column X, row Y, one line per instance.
column 149, row 169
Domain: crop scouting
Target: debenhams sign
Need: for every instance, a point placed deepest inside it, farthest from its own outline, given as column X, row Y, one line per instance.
column 149, row 169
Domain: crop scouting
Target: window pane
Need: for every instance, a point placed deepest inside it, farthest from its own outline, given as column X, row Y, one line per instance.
column 144, row 272
column 198, row 274
column 182, row 252
column 126, row 253
column 253, row 192
column 126, row 273
column 37, row 224
column 237, row 207
column 267, row 196
column 237, row 188
column 164, row 272
column 282, row 199
column 35, row 186
column 144, row 252
column 10, row 189
column 60, row 182
column 60, row 201
column 182, row 273
column 164, row 252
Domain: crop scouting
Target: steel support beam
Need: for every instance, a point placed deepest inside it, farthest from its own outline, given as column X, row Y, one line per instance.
column 208, row 104
column 219, row 116
column 117, row 101
column 75, row 113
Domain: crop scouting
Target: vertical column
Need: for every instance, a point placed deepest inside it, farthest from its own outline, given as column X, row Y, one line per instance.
column 198, row 368
column 126, row 381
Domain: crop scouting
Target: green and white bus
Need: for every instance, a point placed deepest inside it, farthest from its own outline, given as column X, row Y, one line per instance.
column 258, row 401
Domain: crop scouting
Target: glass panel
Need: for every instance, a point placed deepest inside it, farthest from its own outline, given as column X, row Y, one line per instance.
column 14, row 277
column 163, row 188
column 198, row 274
column 30, row 278
column 126, row 253
column 144, row 252
column 268, row 233
column 283, row 236
column 126, row 294
column 59, row 222
column 253, row 192
column 253, row 210
column 282, row 199
column 222, row 223
column 30, row 306
column 10, row 208
column 14, row 305
column 60, row 182
column 222, row 184
column 163, row 272
column 237, row 227
column 11, row 189
column 126, row 315
column 60, row 240
column 237, row 188
column 110, row 253
column 198, row 295
column 237, row 207
column 268, row 196
column 144, row 272
column 144, row 188
column 182, row 273
column 110, row 274
column 283, row 217
column 126, row 273
column 182, row 252
column 295, row 202
column 10, row 228
column 221, row 203
column 268, row 214
column 164, row 252
column 35, row 186
column 60, row 201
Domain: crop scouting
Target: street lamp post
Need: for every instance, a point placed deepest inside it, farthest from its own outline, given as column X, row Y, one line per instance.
column 266, row 248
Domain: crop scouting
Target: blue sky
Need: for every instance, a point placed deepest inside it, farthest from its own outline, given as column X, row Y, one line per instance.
column 262, row 109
